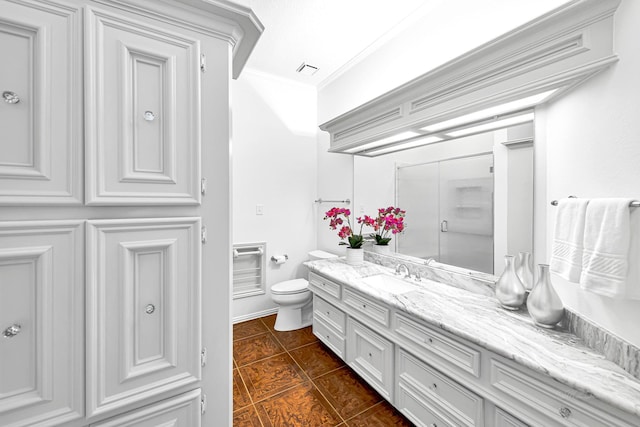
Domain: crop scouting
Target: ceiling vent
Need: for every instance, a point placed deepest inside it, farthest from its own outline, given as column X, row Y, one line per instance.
column 307, row 70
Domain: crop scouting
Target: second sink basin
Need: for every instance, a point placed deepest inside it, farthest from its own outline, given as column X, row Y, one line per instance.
column 391, row 284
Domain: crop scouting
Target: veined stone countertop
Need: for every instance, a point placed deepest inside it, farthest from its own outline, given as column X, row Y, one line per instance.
column 479, row 319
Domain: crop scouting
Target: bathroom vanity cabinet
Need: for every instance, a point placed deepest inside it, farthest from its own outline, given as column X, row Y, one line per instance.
column 438, row 379
column 102, row 204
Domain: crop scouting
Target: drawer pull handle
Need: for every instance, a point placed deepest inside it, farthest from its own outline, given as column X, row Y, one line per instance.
column 565, row 412
column 364, row 305
column 430, row 340
column 10, row 97
column 434, row 386
column 328, row 337
column 328, row 314
column 150, row 308
column 12, row 331
column 433, row 425
column 149, row 116
column 370, row 355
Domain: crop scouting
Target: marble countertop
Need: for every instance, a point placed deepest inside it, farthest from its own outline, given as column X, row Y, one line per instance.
column 479, row 319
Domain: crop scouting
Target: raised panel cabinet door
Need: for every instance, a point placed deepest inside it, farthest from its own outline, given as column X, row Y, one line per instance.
column 143, row 113
column 181, row 411
column 371, row 356
column 41, row 323
column 143, row 309
column 40, row 103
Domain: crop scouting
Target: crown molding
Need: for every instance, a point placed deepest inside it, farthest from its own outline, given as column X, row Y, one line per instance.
column 558, row 50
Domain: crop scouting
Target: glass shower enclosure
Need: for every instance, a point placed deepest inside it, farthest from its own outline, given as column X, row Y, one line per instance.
column 449, row 207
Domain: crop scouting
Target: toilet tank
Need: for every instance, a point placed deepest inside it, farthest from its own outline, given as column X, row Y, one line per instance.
column 318, row 254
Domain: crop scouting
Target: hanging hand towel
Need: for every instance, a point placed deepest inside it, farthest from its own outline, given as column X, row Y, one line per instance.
column 605, row 259
column 568, row 237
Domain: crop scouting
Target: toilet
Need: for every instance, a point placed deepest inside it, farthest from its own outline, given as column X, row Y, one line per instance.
column 293, row 297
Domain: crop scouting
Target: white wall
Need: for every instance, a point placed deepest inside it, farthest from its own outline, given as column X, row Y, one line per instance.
column 274, row 164
column 428, row 43
column 590, row 142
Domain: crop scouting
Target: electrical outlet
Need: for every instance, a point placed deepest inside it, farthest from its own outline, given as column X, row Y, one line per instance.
column 259, row 209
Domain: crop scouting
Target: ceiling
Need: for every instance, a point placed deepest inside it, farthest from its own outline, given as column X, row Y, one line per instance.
column 334, row 34
column 324, row 33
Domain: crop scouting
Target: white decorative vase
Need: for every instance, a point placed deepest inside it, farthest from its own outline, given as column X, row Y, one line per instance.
column 544, row 304
column 524, row 270
column 355, row 256
column 509, row 289
column 382, row 249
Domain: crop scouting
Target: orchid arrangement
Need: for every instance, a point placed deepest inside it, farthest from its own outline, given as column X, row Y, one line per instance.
column 389, row 221
column 339, row 220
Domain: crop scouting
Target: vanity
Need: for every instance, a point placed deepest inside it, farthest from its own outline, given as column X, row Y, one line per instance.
column 447, row 356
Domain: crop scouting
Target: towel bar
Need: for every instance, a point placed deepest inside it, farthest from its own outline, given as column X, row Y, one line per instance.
column 347, row 201
column 632, row 204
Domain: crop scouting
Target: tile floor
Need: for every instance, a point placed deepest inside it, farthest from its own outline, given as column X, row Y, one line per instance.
column 283, row 379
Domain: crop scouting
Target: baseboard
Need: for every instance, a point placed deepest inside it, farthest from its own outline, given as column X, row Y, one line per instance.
column 256, row 315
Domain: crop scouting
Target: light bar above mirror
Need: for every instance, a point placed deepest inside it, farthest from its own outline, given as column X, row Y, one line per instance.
column 490, row 87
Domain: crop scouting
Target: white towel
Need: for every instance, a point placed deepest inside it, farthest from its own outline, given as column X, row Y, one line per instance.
column 607, row 236
column 568, row 237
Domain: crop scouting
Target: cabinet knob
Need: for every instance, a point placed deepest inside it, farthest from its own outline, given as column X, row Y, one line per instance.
column 434, row 386
column 150, row 308
column 149, row 116
column 12, row 331
column 10, row 97
column 433, row 425
column 565, row 412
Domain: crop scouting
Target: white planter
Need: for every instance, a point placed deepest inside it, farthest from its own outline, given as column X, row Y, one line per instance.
column 382, row 249
column 355, row 256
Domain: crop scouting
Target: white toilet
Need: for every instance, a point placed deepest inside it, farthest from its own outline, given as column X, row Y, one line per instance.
column 295, row 309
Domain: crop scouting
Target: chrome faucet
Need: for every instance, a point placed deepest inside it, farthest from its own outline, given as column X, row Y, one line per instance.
column 399, row 268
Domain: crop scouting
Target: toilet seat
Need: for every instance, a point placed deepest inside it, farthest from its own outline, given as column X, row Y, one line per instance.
column 290, row 287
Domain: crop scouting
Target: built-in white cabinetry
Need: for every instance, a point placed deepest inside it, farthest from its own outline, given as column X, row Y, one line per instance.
column 100, row 289
column 438, row 379
column 181, row 411
column 143, row 136
column 41, row 322
column 143, row 309
column 41, row 104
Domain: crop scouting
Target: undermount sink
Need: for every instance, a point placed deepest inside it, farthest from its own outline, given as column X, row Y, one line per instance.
column 391, row 284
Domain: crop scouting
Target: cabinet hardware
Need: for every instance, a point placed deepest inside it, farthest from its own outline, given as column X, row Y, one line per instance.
column 444, row 226
column 150, row 308
column 203, row 357
column 433, row 425
column 203, row 186
column 10, row 97
column 565, row 412
column 203, row 234
column 203, row 404
column 203, row 63
column 12, row 331
column 149, row 116
column 434, row 386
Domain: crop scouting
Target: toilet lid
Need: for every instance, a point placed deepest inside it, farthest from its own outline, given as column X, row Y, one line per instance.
column 295, row 286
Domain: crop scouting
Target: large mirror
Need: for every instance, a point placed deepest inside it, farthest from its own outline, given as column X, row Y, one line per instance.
column 468, row 201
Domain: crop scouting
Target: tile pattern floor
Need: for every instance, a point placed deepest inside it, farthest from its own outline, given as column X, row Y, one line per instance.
column 289, row 379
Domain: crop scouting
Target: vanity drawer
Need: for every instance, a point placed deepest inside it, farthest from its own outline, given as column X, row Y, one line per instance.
column 325, row 285
column 452, row 400
column 452, row 352
column 502, row 419
column 421, row 413
column 371, row 356
column 375, row 311
column 552, row 400
column 329, row 314
column 329, row 337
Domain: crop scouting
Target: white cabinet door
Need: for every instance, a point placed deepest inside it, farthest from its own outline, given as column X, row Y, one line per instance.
column 371, row 356
column 40, row 104
column 143, row 309
column 41, row 323
column 181, row 411
column 143, row 113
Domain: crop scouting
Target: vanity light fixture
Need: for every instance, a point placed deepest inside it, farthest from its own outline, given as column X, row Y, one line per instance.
column 518, row 104
column 404, row 145
column 493, row 125
column 384, row 141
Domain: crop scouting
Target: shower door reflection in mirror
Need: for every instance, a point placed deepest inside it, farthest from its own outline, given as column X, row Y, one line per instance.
column 453, row 200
